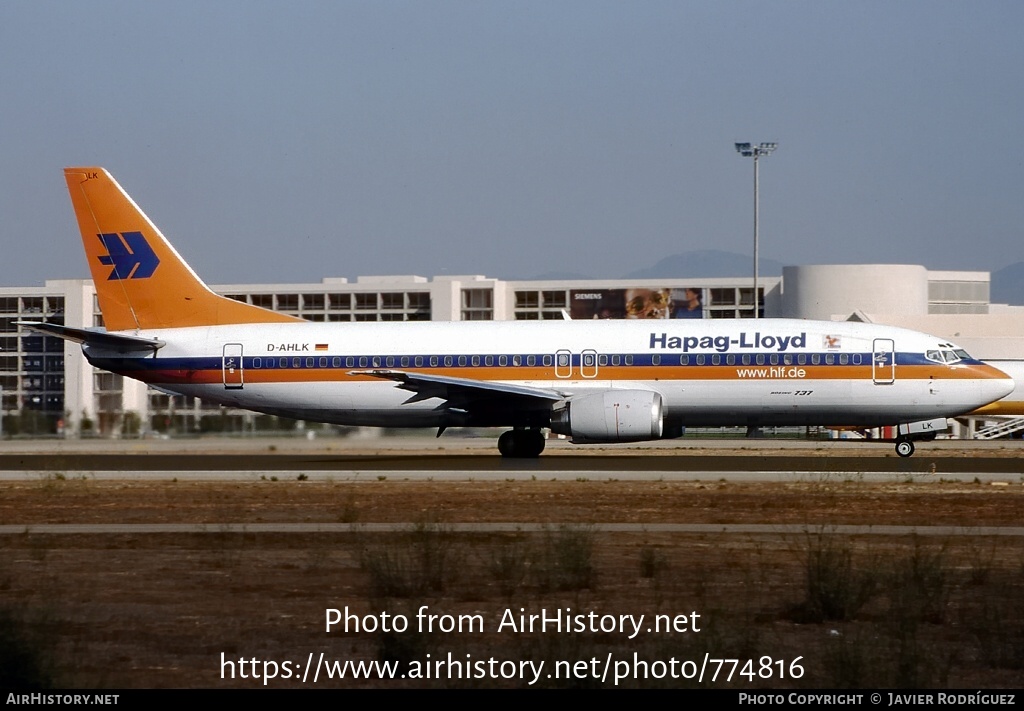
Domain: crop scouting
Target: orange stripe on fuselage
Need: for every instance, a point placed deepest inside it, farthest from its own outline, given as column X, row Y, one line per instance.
column 692, row 373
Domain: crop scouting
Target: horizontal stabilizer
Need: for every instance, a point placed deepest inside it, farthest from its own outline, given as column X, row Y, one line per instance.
column 100, row 339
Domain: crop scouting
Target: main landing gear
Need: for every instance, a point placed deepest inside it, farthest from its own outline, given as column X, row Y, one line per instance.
column 521, row 444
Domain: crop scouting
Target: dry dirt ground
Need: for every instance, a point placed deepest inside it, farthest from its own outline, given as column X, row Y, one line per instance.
column 815, row 609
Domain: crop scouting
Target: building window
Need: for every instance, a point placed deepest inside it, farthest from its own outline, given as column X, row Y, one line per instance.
column 341, row 302
column 477, row 305
column 287, row 302
column 419, row 301
column 366, row 302
column 527, row 299
column 313, row 302
column 392, row 300
column 264, row 301
column 723, row 297
column 555, row 299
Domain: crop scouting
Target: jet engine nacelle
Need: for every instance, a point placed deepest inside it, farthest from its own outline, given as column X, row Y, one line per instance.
column 611, row 416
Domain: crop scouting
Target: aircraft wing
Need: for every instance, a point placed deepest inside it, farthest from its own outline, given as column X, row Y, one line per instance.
column 463, row 393
column 100, row 339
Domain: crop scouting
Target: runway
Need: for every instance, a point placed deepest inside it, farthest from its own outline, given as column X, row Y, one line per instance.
column 461, row 460
column 78, row 529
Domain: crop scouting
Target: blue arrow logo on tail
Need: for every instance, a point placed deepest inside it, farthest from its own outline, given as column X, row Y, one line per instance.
column 130, row 255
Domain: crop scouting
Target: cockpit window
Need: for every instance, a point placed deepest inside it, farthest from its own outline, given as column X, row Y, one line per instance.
column 947, row 356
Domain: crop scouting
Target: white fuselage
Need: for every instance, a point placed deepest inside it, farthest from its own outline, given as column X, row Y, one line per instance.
column 729, row 372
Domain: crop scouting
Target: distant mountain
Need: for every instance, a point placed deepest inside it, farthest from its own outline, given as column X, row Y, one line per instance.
column 712, row 263
column 1008, row 285
column 558, row 276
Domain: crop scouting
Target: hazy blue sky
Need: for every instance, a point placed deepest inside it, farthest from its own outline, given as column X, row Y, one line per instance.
column 277, row 141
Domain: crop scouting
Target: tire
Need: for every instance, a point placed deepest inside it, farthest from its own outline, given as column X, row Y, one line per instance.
column 506, row 444
column 521, row 444
column 904, row 448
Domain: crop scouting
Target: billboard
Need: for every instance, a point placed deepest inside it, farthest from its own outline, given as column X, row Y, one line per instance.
column 637, row 303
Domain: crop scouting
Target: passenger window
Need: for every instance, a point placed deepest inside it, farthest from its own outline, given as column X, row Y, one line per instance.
column 655, row 359
column 296, row 362
column 448, row 361
column 257, row 362
column 418, row 361
column 502, row 360
column 336, row 362
column 700, row 360
column 531, row 360
column 323, row 362
column 629, row 359
column 716, row 359
column 462, row 360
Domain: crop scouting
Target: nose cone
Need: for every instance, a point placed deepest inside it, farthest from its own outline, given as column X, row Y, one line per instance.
column 993, row 383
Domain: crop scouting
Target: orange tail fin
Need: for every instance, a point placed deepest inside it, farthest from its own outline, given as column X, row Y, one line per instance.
column 141, row 281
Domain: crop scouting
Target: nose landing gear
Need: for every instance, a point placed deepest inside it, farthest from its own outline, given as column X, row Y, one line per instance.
column 904, row 447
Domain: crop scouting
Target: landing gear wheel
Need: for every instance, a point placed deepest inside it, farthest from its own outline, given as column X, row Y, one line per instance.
column 535, row 443
column 904, row 448
column 521, row 444
column 505, row 444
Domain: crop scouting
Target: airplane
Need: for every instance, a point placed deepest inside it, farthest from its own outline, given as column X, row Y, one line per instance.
column 597, row 381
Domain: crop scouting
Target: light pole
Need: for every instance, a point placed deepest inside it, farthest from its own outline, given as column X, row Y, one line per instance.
column 750, row 150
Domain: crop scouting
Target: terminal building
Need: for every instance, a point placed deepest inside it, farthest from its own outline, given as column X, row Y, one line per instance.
column 48, row 387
